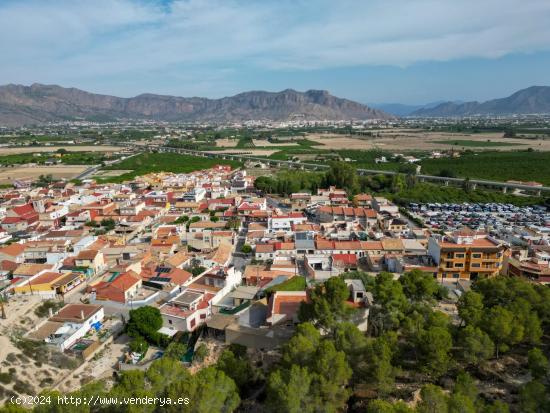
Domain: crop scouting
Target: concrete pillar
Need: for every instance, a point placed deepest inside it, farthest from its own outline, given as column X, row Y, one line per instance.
column 474, row 186
column 504, row 189
column 446, row 183
column 538, row 192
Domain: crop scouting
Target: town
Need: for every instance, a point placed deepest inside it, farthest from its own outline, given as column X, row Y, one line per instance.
column 210, row 262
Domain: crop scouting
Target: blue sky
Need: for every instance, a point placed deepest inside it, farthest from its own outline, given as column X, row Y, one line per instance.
column 372, row 50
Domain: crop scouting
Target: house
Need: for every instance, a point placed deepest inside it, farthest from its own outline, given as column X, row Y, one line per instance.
column 14, row 252
column 283, row 307
column 49, row 283
column 535, row 268
column 285, row 222
column 70, row 324
column 187, row 311
column 92, row 259
column 121, row 289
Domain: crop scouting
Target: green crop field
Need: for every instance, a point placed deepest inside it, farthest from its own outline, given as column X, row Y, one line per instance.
column 68, row 158
column 145, row 163
column 475, row 144
column 496, row 166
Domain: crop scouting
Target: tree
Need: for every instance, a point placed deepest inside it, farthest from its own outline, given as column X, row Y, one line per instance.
column 302, row 346
column 476, row 345
column 496, row 407
column 533, row 398
column 378, row 370
column 145, row 322
column 327, row 304
column 538, row 363
column 435, row 345
column 246, row 249
column 238, row 368
column 499, row 324
column 201, row 352
column 382, row 406
column 165, row 371
column 327, row 368
column 108, row 224
column 418, row 285
column 470, row 307
column 466, row 385
column 391, row 303
column 290, row 391
column 138, row 345
column 175, row 351
column 342, row 175
column 209, row 390
column 349, row 339
column 433, row 400
column 459, row 403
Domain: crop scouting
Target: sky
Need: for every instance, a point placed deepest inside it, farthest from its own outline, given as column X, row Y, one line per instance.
column 406, row 51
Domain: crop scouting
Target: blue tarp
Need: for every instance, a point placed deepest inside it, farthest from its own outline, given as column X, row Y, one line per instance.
column 96, row 325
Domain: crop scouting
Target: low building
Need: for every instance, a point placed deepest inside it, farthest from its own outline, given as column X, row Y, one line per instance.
column 70, row 324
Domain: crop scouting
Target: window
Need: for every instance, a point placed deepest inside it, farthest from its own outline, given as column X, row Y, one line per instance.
column 476, row 255
column 203, row 316
column 192, row 323
column 459, row 265
column 459, row 255
column 456, row 275
column 476, row 265
column 169, row 321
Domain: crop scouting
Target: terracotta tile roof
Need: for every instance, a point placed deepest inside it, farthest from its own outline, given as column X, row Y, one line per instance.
column 345, row 259
column 285, row 303
column 87, row 255
column 45, row 278
column 263, row 248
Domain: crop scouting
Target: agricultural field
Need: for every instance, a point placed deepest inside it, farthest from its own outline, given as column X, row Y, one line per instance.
column 69, row 148
column 476, row 143
column 8, row 175
column 396, row 140
column 146, row 163
column 497, row 166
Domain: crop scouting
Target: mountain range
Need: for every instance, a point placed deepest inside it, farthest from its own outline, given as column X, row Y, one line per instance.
column 38, row 104
column 534, row 99
column 401, row 109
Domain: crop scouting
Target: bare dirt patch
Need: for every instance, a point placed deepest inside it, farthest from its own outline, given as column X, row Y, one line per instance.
column 227, row 143
column 252, row 152
column 267, row 144
column 8, row 175
column 407, row 140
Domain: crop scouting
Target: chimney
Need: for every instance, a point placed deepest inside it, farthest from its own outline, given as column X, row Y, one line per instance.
column 82, row 314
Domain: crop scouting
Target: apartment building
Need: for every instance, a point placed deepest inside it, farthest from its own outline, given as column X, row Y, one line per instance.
column 466, row 255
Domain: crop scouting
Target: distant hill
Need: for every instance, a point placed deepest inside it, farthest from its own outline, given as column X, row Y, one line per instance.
column 534, row 99
column 399, row 109
column 37, row 104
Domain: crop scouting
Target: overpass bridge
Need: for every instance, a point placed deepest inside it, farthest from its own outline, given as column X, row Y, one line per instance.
column 474, row 183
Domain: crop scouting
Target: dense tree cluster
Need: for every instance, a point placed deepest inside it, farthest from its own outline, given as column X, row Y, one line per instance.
column 329, row 365
column 402, row 188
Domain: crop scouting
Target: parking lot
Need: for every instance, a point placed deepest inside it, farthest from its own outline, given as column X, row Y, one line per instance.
column 487, row 217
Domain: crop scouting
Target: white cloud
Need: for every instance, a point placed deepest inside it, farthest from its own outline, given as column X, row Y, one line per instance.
column 97, row 39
